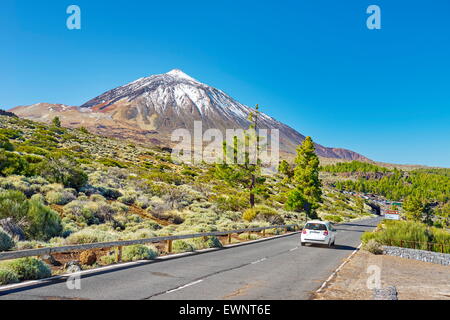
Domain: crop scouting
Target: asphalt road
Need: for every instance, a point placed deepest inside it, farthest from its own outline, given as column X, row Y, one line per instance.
column 272, row 269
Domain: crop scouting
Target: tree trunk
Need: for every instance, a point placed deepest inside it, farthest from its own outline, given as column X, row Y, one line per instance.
column 252, row 195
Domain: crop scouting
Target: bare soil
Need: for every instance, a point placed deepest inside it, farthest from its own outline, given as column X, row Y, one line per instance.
column 414, row 280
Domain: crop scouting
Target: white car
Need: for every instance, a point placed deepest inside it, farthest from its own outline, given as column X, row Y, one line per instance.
column 321, row 232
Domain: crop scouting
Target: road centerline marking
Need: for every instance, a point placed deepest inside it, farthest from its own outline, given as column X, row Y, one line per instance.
column 185, row 286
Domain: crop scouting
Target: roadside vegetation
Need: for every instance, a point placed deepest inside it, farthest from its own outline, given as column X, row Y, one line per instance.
column 407, row 234
column 61, row 186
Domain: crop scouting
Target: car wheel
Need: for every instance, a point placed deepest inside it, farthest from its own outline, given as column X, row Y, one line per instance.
column 302, row 244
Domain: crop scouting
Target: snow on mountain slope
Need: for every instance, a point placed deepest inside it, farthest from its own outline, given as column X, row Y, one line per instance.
column 151, row 108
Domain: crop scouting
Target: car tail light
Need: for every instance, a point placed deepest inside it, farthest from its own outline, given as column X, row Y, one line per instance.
column 305, row 231
column 325, row 233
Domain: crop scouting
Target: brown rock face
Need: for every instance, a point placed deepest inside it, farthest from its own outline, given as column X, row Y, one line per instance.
column 149, row 109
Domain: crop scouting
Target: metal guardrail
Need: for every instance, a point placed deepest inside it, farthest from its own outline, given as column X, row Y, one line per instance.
column 8, row 255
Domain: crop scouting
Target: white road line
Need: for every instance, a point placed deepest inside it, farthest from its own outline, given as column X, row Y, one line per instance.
column 293, row 249
column 258, row 261
column 185, row 286
column 338, row 269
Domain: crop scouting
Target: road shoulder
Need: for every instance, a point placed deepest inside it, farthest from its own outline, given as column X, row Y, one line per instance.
column 414, row 280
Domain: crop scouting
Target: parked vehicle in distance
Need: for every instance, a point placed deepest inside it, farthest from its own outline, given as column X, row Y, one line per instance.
column 319, row 232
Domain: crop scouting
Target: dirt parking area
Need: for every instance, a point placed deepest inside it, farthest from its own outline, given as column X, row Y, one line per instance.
column 414, row 280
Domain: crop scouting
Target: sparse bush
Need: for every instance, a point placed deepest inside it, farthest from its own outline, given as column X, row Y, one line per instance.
column 179, row 246
column 373, row 246
column 93, row 212
column 139, row 252
column 27, row 268
column 6, row 243
column 38, row 198
column 90, row 236
column 127, row 198
column 7, row 277
column 60, row 198
column 143, row 202
column 248, row 236
column 27, row 245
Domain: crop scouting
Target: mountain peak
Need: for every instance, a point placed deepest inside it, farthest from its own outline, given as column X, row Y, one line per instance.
column 177, row 73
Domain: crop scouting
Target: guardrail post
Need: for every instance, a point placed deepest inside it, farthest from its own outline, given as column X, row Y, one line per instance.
column 264, row 232
column 229, row 238
column 442, row 248
column 169, row 246
column 119, row 254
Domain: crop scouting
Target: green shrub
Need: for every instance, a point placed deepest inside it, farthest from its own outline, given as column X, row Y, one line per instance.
column 108, row 259
column 6, row 243
column 112, row 163
column 405, row 233
column 28, row 268
column 12, row 163
column 249, row 214
column 7, row 277
column 210, row 242
column 182, row 246
column 61, row 168
column 5, row 144
column 333, row 218
column 139, row 252
column 11, row 133
column 13, row 204
column 32, row 150
column 44, row 223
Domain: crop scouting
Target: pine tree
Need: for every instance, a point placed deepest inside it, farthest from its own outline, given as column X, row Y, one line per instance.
column 414, row 208
column 247, row 174
column 285, row 169
column 56, row 122
column 307, row 193
column 359, row 204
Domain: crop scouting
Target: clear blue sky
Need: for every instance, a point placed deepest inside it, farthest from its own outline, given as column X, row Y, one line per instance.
column 312, row 64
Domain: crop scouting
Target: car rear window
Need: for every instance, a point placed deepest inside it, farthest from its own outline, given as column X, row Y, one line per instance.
column 316, row 226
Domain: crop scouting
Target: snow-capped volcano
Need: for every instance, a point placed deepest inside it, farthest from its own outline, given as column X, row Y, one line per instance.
column 151, row 108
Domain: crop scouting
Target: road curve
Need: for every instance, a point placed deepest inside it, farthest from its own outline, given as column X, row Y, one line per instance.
column 272, row 269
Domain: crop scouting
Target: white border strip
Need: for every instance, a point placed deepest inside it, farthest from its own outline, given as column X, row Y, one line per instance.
column 338, row 269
